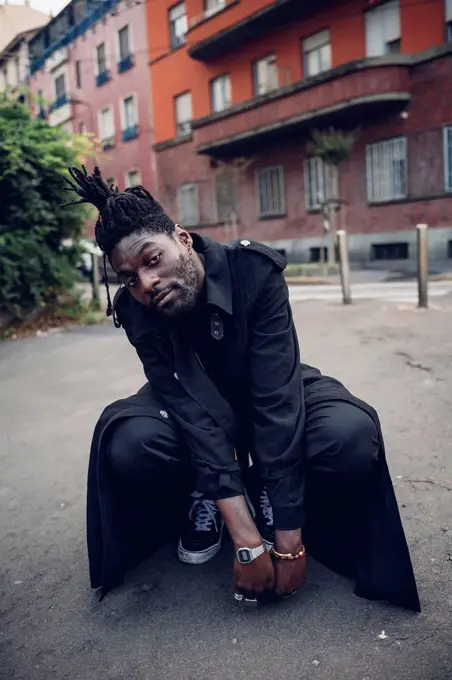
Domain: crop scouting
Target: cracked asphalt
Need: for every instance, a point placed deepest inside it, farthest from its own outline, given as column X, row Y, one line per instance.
column 173, row 622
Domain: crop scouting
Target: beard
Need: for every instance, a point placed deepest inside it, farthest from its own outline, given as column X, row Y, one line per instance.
column 186, row 289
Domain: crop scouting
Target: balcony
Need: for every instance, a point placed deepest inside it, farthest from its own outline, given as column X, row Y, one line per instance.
column 130, row 133
column 125, row 63
column 58, row 103
column 341, row 96
column 275, row 15
column 60, row 111
column 102, row 78
column 108, row 143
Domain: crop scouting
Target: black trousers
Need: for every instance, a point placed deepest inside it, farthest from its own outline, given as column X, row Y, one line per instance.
column 340, row 449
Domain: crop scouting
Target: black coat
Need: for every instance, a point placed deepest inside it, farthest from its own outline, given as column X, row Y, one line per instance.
column 249, row 310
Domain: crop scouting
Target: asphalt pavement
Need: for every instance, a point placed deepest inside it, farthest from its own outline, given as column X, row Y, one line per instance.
column 175, row 622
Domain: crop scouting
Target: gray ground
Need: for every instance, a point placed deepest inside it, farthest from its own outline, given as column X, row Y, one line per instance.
column 175, row 622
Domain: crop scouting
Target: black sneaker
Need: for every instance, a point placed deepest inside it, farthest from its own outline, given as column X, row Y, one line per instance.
column 201, row 538
column 263, row 516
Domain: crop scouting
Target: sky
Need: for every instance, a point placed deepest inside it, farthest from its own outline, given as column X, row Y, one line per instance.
column 46, row 6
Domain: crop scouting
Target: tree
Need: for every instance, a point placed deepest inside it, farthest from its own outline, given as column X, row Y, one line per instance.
column 333, row 147
column 34, row 267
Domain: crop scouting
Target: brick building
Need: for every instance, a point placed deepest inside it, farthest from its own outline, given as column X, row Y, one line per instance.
column 89, row 74
column 239, row 86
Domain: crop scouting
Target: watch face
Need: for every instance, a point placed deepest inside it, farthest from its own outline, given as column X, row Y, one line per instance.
column 244, row 555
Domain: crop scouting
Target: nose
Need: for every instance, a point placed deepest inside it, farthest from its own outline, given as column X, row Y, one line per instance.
column 148, row 282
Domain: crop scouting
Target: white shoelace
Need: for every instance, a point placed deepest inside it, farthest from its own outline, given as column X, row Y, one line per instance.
column 266, row 508
column 205, row 513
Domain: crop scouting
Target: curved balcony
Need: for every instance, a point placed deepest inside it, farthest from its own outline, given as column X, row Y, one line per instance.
column 341, row 96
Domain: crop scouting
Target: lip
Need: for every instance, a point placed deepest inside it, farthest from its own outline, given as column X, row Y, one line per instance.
column 163, row 298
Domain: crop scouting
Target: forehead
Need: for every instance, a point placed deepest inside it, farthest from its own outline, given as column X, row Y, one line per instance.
column 136, row 242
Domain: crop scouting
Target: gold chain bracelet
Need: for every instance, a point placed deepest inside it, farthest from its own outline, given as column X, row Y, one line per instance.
column 288, row 556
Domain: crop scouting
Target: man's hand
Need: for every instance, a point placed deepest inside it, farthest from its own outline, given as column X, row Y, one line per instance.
column 290, row 574
column 259, row 575
column 254, row 578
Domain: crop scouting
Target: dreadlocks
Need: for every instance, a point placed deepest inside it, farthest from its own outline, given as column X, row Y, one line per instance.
column 120, row 212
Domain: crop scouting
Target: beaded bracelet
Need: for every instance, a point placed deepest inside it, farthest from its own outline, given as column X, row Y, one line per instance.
column 288, row 556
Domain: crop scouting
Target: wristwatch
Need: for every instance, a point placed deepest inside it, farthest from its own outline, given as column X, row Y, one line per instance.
column 247, row 555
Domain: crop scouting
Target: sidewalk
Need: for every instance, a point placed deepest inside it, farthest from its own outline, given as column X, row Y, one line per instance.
column 173, row 622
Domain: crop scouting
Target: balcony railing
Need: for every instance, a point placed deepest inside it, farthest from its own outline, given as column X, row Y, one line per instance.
column 125, row 63
column 59, row 102
column 130, row 133
column 107, row 143
column 343, row 95
column 102, row 78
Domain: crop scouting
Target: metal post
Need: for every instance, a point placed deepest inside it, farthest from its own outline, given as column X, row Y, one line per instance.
column 422, row 264
column 96, row 278
column 344, row 266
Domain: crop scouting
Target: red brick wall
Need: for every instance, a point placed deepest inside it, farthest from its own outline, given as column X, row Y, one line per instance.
column 430, row 109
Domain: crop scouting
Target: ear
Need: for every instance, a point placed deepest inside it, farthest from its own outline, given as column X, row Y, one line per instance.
column 183, row 237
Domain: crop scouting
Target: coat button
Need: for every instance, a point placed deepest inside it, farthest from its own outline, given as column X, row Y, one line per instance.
column 245, row 243
column 176, row 376
column 164, row 414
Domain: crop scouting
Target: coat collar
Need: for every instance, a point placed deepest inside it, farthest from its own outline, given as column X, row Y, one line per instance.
column 218, row 287
column 218, row 275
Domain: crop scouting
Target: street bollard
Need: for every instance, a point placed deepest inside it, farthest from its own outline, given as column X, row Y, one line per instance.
column 96, row 279
column 422, row 264
column 344, row 266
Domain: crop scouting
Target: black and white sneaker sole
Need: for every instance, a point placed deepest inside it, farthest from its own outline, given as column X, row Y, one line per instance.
column 198, row 557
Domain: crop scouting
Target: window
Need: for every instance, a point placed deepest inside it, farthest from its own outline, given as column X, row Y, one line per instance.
column 133, row 177
column 321, row 183
column 101, row 59
column 41, row 104
column 17, row 67
column 317, row 53
column 386, row 170
column 383, row 29
column 5, row 77
column 225, row 198
column 178, row 25
column 213, row 6
column 124, row 43
column 60, row 89
column 448, row 20
column 129, row 118
column 78, row 74
column 220, row 92
column 448, row 157
column 265, row 75
column 271, row 191
column 82, row 128
column 183, row 113
column 107, row 125
column 188, row 205
column 389, row 251
column 130, row 112
column 110, row 180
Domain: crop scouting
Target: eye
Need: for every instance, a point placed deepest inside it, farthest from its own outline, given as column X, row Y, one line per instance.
column 154, row 259
column 131, row 282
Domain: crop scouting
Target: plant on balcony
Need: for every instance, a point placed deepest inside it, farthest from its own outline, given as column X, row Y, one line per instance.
column 36, row 272
column 332, row 146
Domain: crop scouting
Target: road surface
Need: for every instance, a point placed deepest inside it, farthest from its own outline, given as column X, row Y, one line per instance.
column 175, row 622
column 403, row 291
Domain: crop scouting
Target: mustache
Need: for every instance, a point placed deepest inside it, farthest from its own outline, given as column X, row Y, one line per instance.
column 161, row 292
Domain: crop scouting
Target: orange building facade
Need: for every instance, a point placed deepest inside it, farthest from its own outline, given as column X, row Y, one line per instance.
column 240, row 85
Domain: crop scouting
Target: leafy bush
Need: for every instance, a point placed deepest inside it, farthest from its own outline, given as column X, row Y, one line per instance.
column 34, row 268
column 333, row 146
